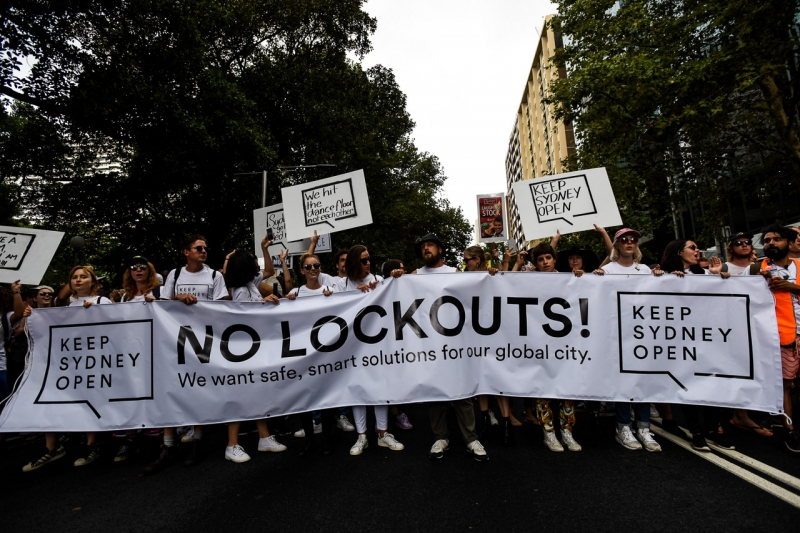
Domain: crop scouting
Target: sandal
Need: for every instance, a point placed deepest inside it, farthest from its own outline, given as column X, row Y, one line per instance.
column 755, row 429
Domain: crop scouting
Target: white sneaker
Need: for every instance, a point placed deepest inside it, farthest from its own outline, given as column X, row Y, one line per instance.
column 551, row 442
column 569, row 441
column 270, row 444
column 236, row 454
column 388, row 441
column 344, row 424
column 647, row 440
column 654, row 412
column 189, row 435
column 478, row 452
column 492, row 419
column 360, row 445
column 317, row 428
column 300, row 433
column 626, row 438
column 438, row 449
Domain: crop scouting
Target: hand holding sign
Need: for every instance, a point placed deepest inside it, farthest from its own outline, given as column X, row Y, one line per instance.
column 570, row 202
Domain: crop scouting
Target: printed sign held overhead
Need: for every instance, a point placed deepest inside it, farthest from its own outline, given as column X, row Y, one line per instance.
column 491, row 217
column 271, row 217
column 331, row 204
column 26, row 253
column 568, row 203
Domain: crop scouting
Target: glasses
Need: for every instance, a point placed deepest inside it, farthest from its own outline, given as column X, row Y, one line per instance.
column 46, row 294
column 139, row 267
column 364, row 260
column 743, row 243
column 626, row 239
column 691, row 247
column 315, row 266
column 200, row 248
column 468, row 259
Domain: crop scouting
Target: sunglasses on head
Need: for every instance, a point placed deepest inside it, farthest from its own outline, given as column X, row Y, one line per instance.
column 743, row 243
column 315, row 266
column 629, row 238
column 46, row 294
column 139, row 267
column 364, row 260
column 200, row 248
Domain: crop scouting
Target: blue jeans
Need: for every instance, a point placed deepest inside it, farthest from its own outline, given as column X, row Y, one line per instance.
column 624, row 414
column 318, row 414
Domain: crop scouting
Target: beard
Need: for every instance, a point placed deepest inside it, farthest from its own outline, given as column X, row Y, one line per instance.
column 773, row 252
column 432, row 260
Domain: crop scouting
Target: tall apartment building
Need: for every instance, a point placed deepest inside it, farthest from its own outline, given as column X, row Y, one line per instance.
column 538, row 144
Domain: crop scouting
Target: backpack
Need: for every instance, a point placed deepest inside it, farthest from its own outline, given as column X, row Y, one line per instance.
column 755, row 268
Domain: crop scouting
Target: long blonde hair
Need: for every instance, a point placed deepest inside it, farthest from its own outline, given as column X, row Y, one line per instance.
column 477, row 251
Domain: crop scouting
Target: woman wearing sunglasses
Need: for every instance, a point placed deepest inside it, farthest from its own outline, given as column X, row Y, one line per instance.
column 241, row 271
column 311, row 268
column 357, row 264
column 139, row 282
column 682, row 257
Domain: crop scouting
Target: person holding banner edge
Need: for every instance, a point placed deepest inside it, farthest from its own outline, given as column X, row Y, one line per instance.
column 624, row 260
column 189, row 284
column 431, row 250
column 359, row 278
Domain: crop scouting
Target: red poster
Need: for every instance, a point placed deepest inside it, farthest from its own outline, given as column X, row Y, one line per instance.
column 491, row 218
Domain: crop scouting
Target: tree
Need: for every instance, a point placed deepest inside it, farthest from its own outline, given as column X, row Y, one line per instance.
column 683, row 102
column 186, row 95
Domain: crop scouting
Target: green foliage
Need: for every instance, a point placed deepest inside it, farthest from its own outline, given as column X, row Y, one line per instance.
column 188, row 94
column 686, row 103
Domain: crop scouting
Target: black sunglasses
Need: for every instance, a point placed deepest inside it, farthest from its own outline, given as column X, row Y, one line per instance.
column 743, row 243
column 364, row 260
column 315, row 266
column 139, row 267
column 46, row 294
column 200, row 248
column 691, row 247
column 632, row 240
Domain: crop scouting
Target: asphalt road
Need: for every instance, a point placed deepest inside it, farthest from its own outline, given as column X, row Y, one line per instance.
column 521, row 488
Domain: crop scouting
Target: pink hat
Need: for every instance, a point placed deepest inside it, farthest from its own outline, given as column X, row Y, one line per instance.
column 625, row 231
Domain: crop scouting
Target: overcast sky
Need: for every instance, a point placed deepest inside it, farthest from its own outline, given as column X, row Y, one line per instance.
column 463, row 66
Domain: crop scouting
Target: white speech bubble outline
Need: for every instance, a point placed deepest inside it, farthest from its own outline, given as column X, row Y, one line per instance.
column 349, row 183
column 682, row 295
column 19, row 256
column 540, row 182
column 38, row 399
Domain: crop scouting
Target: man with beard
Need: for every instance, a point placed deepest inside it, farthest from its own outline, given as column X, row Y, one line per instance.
column 781, row 273
column 431, row 249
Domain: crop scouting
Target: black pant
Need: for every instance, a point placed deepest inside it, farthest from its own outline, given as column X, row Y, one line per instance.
column 702, row 418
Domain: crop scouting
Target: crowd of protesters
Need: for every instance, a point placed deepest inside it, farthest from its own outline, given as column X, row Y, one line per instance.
column 242, row 279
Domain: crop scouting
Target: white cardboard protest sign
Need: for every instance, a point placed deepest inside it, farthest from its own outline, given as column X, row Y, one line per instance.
column 700, row 340
column 26, row 253
column 331, row 204
column 568, row 203
column 492, row 220
column 272, row 217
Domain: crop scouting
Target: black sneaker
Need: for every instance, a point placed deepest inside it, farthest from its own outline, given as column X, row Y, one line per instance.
column 699, row 443
column 195, row 453
column 792, row 441
column 48, row 457
column 125, row 451
column 672, row 427
column 166, row 457
column 90, row 454
column 720, row 439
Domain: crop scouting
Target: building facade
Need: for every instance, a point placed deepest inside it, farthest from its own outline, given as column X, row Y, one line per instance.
column 538, row 145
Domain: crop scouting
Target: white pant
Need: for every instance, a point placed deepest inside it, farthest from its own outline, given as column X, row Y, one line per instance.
column 381, row 417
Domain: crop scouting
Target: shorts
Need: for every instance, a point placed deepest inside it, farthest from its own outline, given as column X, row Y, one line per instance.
column 790, row 362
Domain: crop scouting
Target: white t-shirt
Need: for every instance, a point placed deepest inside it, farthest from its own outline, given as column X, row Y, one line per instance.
column 615, row 268
column 734, row 270
column 139, row 298
column 327, row 279
column 97, row 300
column 444, row 269
column 347, row 284
column 204, row 284
column 303, row 290
column 689, row 271
column 248, row 293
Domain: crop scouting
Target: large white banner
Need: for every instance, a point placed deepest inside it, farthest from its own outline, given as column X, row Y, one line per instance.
column 700, row 340
column 25, row 253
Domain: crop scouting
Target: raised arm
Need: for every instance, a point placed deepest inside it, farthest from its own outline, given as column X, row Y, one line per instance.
column 606, row 238
column 269, row 268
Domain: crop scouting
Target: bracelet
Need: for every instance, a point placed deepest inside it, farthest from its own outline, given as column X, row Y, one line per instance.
column 15, row 292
